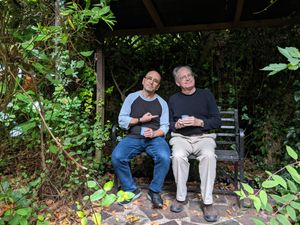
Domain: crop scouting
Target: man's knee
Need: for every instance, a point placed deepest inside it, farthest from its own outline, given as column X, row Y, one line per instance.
column 116, row 158
column 208, row 155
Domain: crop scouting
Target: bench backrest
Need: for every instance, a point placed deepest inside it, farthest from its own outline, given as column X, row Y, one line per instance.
column 228, row 134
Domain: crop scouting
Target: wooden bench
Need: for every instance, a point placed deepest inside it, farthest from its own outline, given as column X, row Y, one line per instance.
column 230, row 147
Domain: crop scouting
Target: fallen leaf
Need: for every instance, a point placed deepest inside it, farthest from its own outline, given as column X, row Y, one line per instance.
column 154, row 215
column 132, row 218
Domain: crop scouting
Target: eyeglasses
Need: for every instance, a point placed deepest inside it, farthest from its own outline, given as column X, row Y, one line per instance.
column 185, row 77
column 148, row 78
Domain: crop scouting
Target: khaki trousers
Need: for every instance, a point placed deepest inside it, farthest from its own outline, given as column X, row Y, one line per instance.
column 203, row 147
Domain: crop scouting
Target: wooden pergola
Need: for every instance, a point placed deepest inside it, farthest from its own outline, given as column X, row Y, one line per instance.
column 144, row 17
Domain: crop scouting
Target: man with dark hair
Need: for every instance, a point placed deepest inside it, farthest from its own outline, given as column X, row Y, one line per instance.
column 145, row 114
column 193, row 113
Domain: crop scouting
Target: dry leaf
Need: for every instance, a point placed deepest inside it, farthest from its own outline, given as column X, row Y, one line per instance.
column 154, row 215
column 132, row 218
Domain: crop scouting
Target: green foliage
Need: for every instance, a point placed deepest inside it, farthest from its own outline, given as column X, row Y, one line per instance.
column 293, row 56
column 101, row 196
column 281, row 190
column 17, row 204
column 54, row 114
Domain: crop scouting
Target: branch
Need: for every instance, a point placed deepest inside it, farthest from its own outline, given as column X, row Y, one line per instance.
column 56, row 140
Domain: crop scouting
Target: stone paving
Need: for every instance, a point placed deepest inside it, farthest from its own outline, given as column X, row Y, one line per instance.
column 140, row 212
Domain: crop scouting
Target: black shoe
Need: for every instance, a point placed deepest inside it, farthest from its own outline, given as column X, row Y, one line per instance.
column 137, row 194
column 209, row 213
column 155, row 199
column 178, row 206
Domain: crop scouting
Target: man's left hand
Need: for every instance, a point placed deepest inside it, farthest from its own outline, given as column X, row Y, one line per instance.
column 192, row 121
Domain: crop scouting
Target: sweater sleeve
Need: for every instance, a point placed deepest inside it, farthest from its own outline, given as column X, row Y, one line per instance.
column 213, row 119
column 164, row 119
column 124, row 115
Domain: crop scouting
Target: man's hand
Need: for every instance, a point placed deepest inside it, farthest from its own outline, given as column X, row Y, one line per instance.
column 149, row 133
column 147, row 117
column 188, row 122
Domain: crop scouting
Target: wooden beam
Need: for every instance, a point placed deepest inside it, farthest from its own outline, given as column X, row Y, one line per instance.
column 100, row 94
column 205, row 27
column 153, row 13
column 238, row 11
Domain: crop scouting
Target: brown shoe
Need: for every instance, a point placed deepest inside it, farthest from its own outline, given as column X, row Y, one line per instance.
column 177, row 206
column 210, row 214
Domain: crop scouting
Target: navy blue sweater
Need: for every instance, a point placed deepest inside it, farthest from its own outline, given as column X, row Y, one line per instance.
column 201, row 104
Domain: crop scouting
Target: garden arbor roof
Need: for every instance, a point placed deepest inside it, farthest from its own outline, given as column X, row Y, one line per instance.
column 139, row 17
column 168, row 16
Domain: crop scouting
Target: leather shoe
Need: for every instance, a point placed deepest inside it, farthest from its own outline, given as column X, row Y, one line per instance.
column 178, row 206
column 155, row 199
column 210, row 214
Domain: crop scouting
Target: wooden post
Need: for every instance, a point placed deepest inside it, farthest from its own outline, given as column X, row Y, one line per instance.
column 100, row 93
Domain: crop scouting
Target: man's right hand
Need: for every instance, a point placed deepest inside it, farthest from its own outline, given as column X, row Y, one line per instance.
column 147, row 117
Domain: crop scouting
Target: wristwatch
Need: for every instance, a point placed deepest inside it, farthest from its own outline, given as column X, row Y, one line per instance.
column 139, row 120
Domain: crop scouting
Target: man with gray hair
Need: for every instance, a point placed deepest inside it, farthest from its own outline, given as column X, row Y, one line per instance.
column 193, row 113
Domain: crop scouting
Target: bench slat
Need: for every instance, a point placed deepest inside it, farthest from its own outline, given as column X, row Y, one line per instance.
column 227, row 127
column 227, row 119
column 226, row 135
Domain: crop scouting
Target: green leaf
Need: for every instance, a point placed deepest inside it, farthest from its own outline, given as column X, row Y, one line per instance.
column 109, row 199
column 269, row 208
column 24, row 211
column 293, row 66
column 275, row 68
column 27, row 126
column 23, row 97
column 15, row 220
column 69, row 71
column 41, row 217
column 97, row 195
column 27, row 45
column 258, row 222
column 294, row 52
column 292, row 186
column 97, row 218
column 291, row 152
column 295, row 205
column 273, row 221
column 284, row 52
column 87, row 53
column 263, row 197
column 80, row 64
column 248, row 188
column 53, row 149
column 291, row 212
column 282, row 219
column 280, row 180
column 64, row 38
column 256, row 202
column 293, row 172
column 80, row 214
column 84, row 221
column 269, row 184
column 40, row 37
column 108, row 186
column 277, row 198
column 91, row 184
column 41, row 68
column 287, row 198
column 35, row 182
column 23, row 221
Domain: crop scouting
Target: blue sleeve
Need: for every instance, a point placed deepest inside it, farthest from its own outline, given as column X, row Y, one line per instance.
column 124, row 115
column 164, row 119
